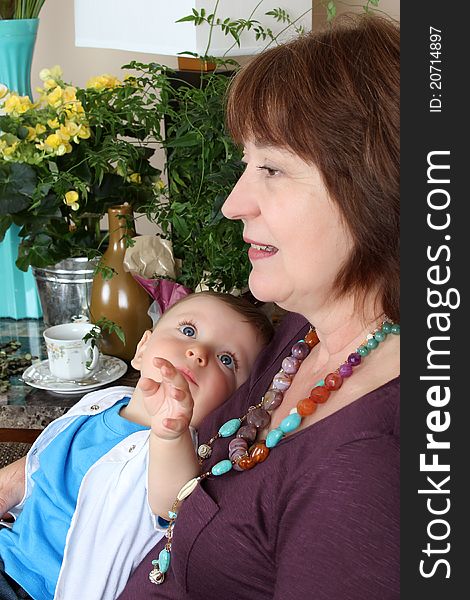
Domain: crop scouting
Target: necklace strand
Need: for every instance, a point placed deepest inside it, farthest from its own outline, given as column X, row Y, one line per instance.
column 244, row 452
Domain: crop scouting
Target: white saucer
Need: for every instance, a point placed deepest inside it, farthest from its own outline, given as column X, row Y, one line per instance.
column 39, row 376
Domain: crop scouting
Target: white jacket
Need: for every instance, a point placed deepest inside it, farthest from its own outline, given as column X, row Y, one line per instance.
column 113, row 527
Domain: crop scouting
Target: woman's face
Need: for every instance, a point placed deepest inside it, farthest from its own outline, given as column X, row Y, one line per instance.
column 297, row 240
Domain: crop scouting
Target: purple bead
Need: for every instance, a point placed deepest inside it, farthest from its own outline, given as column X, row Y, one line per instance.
column 236, row 454
column 300, row 350
column 258, row 417
column 248, row 433
column 272, row 399
column 290, row 365
column 345, row 370
column 354, row 359
column 282, row 381
column 237, row 444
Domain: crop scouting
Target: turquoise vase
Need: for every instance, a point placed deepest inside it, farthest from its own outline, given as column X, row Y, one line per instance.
column 19, row 297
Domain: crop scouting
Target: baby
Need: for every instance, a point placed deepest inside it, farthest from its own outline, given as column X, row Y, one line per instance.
column 85, row 521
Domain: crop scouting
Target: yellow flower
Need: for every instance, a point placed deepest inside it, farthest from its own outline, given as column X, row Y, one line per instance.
column 17, row 105
column 84, row 132
column 40, row 129
column 100, row 82
column 71, row 199
column 54, row 99
column 53, row 123
column 52, row 141
column 135, row 178
column 31, row 133
column 52, row 73
column 159, row 185
column 70, row 128
column 3, row 90
column 50, row 84
column 9, row 150
column 70, row 94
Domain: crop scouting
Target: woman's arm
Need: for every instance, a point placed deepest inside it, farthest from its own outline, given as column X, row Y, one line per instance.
column 12, row 485
column 172, row 458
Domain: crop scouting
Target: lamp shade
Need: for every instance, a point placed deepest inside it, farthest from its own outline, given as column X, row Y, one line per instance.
column 150, row 25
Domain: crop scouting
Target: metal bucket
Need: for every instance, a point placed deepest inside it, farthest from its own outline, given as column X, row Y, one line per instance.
column 65, row 290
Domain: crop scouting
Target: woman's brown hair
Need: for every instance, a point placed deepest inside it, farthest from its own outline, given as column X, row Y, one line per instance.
column 332, row 98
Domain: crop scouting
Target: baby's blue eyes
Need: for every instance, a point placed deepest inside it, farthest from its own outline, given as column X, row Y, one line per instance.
column 188, row 330
column 227, row 360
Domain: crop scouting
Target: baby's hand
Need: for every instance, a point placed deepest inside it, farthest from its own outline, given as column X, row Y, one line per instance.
column 169, row 404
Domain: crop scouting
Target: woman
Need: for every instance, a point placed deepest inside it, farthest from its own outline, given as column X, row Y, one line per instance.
column 318, row 515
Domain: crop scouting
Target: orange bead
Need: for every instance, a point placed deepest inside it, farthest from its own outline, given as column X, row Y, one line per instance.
column 333, row 381
column 246, row 462
column 311, row 339
column 306, row 407
column 320, row 394
column 259, row 452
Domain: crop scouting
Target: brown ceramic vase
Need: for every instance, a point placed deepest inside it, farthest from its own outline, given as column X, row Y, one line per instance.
column 120, row 299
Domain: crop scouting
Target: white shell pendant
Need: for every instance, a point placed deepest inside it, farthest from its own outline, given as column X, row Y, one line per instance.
column 156, row 576
column 187, row 489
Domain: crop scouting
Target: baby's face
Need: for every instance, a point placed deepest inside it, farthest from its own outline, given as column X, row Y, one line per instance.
column 209, row 343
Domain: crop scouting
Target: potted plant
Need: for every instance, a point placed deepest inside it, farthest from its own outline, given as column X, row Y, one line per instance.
column 69, row 156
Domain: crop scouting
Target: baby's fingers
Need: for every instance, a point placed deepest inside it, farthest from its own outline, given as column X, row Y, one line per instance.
column 170, row 374
column 148, row 386
column 176, row 426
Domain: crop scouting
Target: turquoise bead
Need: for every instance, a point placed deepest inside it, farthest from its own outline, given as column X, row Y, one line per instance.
column 230, row 428
column 363, row 351
column 290, row 423
column 319, row 382
column 387, row 327
column 164, row 561
column 380, row 336
column 396, row 329
column 273, row 438
column 372, row 343
column 172, row 514
column 222, row 467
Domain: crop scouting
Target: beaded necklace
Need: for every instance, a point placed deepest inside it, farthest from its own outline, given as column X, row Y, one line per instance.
column 244, row 453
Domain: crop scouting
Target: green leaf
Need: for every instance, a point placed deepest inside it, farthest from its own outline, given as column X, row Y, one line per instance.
column 189, row 139
column 11, row 201
column 5, row 223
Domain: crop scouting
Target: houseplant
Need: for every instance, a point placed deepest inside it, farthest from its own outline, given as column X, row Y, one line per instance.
column 20, row 9
column 67, row 157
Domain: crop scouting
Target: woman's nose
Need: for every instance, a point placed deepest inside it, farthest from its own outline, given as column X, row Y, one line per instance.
column 241, row 203
column 197, row 353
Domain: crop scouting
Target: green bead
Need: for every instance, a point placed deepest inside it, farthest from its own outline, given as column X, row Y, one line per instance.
column 363, row 351
column 372, row 343
column 396, row 329
column 163, row 561
column 387, row 327
column 230, row 428
column 290, row 423
column 273, row 438
column 380, row 336
column 222, row 467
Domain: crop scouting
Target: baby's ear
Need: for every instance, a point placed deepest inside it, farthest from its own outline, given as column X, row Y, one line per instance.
column 136, row 362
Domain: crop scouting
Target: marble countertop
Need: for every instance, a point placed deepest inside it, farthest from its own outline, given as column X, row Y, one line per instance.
column 26, row 407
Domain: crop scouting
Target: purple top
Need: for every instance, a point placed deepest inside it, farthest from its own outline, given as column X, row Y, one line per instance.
column 318, row 519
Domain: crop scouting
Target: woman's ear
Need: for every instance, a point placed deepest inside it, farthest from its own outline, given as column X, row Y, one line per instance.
column 136, row 362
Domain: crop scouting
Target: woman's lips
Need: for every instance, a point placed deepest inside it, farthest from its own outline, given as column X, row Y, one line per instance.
column 258, row 251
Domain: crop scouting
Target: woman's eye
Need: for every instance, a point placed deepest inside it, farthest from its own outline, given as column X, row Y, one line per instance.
column 270, row 172
column 227, row 360
column 188, row 330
